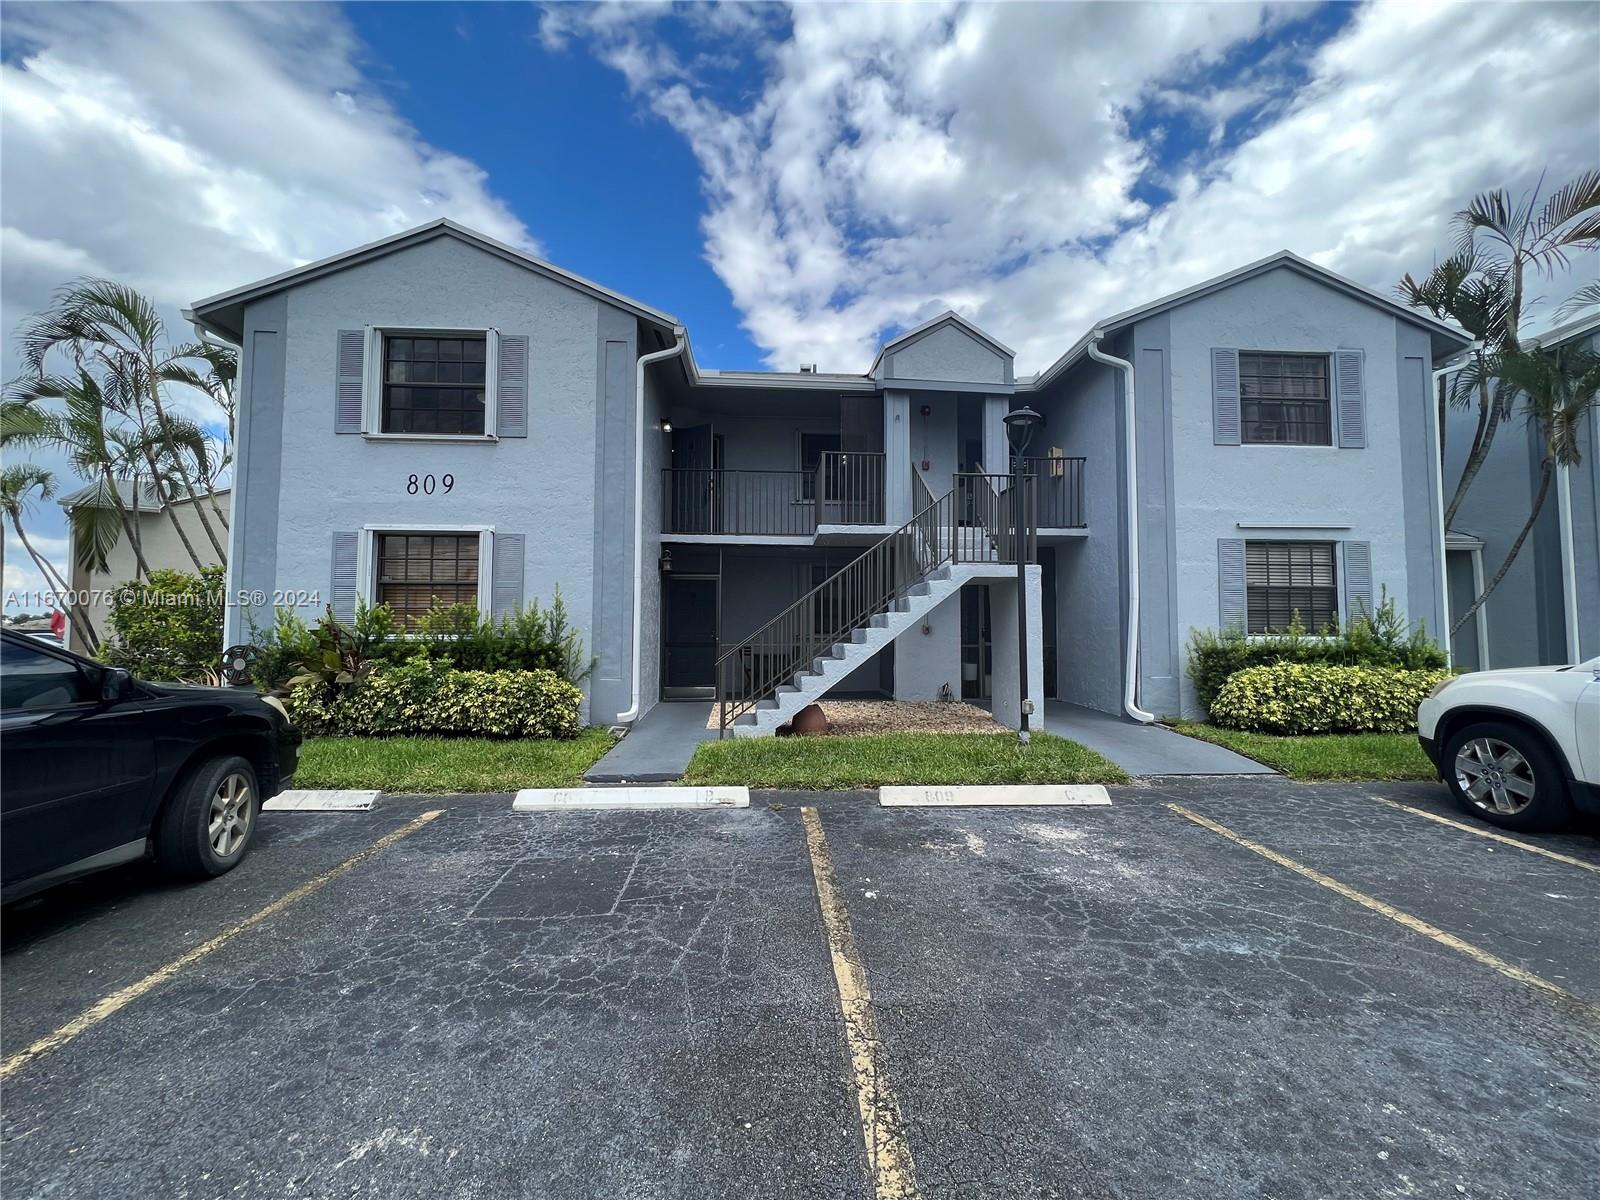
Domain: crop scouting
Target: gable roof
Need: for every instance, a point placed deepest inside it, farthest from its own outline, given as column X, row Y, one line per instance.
column 948, row 317
column 1452, row 337
column 1569, row 332
column 224, row 312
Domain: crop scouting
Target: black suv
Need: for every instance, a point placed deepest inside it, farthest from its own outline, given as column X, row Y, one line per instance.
column 101, row 769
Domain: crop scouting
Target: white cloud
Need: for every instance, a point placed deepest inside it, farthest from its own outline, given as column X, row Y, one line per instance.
column 187, row 149
column 897, row 160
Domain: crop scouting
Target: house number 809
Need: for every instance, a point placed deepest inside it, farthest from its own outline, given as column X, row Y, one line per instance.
column 428, row 484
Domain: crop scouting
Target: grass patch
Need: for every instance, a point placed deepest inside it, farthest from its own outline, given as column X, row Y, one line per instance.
column 831, row 763
column 432, row 765
column 1332, row 756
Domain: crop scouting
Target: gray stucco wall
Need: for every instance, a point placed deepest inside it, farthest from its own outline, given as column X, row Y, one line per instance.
column 948, row 352
column 933, row 439
column 258, row 464
column 547, row 486
column 1286, row 492
column 1083, row 417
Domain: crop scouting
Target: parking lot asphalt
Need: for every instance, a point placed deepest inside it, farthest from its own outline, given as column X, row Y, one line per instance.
column 1225, row 987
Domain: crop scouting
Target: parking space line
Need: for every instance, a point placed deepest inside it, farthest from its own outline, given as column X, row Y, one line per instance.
column 1491, row 834
column 120, row 999
column 894, row 1175
column 1415, row 924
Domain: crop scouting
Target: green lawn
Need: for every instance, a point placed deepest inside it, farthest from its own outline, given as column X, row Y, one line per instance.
column 824, row 763
column 1343, row 756
column 428, row 765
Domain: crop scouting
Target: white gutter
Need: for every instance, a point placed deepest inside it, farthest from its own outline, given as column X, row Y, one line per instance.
column 1569, row 562
column 632, row 714
column 1130, row 672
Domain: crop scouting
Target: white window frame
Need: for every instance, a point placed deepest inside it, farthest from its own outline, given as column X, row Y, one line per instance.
column 1333, row 401
column 372, row 384
column 367, row 558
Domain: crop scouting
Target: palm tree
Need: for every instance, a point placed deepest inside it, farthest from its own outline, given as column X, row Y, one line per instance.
column 1482, row 287
column 18, row 483
column 1558, row 389
column 217, row 381
column 123, row 331
column 100, row 450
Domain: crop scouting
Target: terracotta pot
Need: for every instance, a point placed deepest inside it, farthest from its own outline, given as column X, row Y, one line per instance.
column 809, row 720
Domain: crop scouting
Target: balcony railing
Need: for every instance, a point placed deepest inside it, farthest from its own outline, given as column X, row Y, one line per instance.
column 844, row 488
column 1060, row 494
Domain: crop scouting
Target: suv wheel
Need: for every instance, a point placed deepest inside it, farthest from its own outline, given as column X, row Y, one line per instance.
column 208, row 825
column 1505, row 774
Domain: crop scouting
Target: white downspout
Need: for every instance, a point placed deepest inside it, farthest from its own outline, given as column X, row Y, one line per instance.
column 1569, row 562
column 1130, row 673
column 632, row 714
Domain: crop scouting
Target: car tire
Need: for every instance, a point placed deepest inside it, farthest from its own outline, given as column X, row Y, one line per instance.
column 209, row 823
column 1506, row 774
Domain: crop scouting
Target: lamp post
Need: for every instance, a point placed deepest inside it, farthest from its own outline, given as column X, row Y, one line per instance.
column 1020, row 424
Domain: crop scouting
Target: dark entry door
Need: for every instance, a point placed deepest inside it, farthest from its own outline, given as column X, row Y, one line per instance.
column 690, row 642
column 693, row 465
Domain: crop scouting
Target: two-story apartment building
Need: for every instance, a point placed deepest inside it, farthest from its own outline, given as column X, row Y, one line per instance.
column 439, row 416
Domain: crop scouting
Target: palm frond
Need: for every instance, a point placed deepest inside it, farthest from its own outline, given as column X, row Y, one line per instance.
column 1586, row 296
column 96, row 528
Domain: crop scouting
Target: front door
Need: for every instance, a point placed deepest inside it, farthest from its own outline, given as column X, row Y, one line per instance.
column 694, row 465
column 689, row 637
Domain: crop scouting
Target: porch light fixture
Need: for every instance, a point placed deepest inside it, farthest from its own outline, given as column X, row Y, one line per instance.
column 1020, row 426
column 666, row 425
column 666, row 560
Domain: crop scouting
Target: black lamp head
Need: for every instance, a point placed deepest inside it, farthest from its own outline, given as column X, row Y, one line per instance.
column 1020, row 425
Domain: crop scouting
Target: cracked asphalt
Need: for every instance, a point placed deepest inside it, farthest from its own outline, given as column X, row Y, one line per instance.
column 1095, row 1002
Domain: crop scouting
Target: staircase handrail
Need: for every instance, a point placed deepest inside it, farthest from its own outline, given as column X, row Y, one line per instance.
column 875, row 583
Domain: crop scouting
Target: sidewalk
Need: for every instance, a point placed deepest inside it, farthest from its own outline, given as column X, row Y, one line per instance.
column 658, row 747
column 1144, row 749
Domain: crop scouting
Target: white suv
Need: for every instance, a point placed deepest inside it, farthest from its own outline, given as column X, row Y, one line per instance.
column 1519, row 747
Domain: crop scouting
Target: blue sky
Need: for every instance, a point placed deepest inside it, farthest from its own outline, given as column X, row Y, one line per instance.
column 794, row 183
column 566, row 147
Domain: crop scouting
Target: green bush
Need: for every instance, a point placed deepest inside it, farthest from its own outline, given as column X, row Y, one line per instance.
column 530, row 639
column 169, row 626
column 426, row 696
column 1296, row 698
column 1381, row 640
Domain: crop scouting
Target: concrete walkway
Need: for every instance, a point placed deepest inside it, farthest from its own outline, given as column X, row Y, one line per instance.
column 658, row 747
column 1143, row 749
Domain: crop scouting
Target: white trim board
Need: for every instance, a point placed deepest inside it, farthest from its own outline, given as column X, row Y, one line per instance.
column 1020, row 795
column 639, row 799
column 321, row 801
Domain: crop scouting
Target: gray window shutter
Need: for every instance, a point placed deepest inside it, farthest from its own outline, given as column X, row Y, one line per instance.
column 505, row 593
column 1350, row 386
column 511, row 387
column 351, row 356
column 1224, row 396
column 1231, row 600
column 342, row 589
column 1357, row 580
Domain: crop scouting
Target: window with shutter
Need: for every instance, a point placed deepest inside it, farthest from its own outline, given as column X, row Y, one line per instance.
column 1288, row 579
column 417, row 571
column 1283, row 399
column 434, row 384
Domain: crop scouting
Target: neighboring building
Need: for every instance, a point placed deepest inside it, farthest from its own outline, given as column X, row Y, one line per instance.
column 437, row 414
column 158, row 541
column 1547, row 609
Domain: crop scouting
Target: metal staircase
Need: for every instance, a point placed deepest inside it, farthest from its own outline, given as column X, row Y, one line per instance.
column 974, row 531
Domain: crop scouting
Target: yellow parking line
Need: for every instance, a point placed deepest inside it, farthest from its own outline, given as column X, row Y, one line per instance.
column 894, row 1176
column 1483, row 832
column 1415, row 924
column 120, row 999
